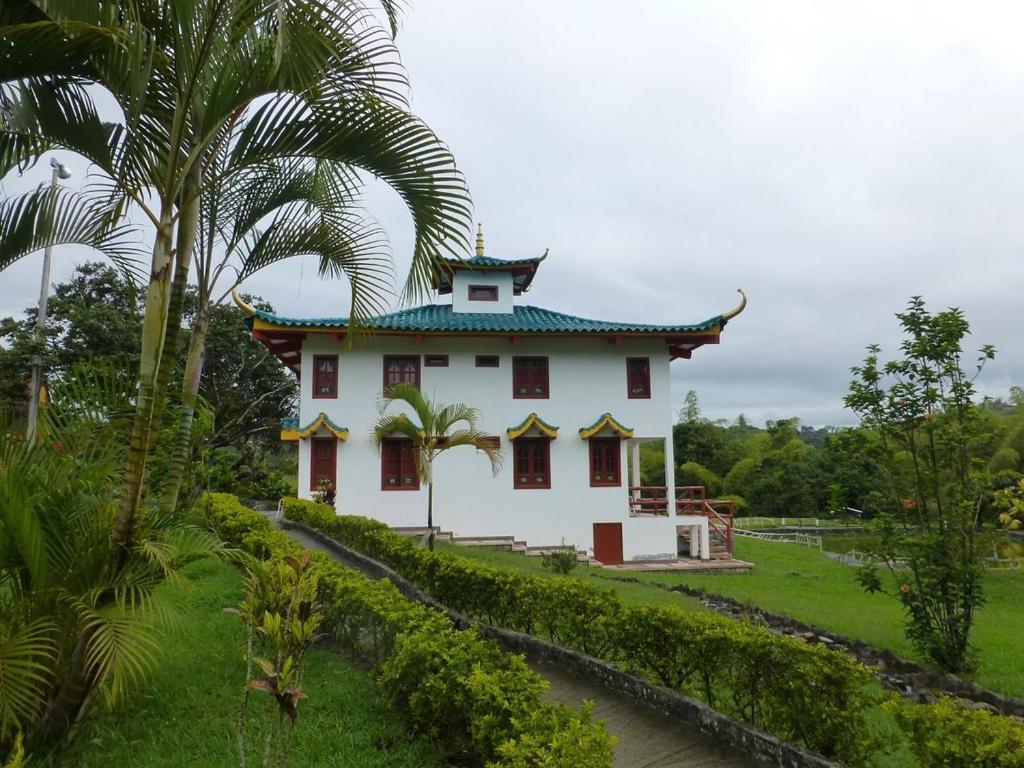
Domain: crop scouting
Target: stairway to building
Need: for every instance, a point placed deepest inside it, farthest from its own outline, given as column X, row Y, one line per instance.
column 505, row 543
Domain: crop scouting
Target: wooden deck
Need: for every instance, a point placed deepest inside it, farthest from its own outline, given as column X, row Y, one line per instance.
column 685, row 564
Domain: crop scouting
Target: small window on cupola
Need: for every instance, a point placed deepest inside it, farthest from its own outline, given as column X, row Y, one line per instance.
column 483, row 293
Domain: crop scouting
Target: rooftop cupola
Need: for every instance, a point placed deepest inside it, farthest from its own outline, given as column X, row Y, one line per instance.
column 484, row 284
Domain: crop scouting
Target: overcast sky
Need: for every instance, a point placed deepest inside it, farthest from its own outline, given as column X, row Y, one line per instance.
column 832, row 159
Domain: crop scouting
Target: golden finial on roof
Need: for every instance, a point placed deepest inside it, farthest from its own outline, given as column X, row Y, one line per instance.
column 479, row 239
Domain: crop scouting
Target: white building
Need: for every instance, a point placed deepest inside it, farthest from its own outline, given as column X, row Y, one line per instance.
column 569, row 400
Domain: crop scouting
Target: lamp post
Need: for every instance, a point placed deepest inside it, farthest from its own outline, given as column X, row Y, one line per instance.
column 60, row 171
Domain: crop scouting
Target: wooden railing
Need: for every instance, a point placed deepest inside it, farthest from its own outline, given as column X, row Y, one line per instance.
column 652, row 500
column 648, row 500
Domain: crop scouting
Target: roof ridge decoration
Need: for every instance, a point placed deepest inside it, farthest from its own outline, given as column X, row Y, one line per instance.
column 727, row 316
column 479, row 239
column 606, row 420
column 533, row 420
column 249, row 309
column 291, row 431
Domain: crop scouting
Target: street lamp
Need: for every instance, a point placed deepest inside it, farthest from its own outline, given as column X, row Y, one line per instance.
column 60, row 171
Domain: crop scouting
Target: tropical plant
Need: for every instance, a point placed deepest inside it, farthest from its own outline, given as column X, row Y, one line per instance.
column 256, row 83
column 283, row 210
column 922, row 408
column 72, row 623
column 436, row 429
column 282, row 617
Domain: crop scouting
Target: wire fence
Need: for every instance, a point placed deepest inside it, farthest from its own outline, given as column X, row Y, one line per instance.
column 806, row 539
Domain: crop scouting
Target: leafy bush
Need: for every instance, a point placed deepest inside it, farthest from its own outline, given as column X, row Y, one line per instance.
column 949, row 735
column 480, row 703
column 804, row 694
column 560, row 560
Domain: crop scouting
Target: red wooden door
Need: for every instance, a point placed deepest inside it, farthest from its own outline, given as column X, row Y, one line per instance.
column 323, row 462
column 608, row 543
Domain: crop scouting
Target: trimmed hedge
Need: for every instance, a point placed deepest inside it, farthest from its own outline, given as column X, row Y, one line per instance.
column 804, row 694
column 949, row 735
column 482, row 705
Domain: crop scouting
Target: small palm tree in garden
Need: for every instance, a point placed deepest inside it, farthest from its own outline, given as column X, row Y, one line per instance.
column 436, row 429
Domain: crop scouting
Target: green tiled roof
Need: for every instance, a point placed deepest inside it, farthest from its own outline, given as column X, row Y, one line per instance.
column 522, row 270
column 439, row 318
column 488, row 262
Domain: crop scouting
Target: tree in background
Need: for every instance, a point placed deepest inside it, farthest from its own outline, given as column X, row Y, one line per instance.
column 96, row 319
column 318, row 81
column 921, row 406
column 95, row 316
column 439, row 429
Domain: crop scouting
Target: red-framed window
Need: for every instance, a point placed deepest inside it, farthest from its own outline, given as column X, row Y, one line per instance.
column 532, row 462
column 323, row 462
column 325, row 376
column 638, row 378
column 398, row 465
column 605, row 461
column 435, row 361
column 530, row 378
column 401, row 370
column 487, row 361
column 483, row 293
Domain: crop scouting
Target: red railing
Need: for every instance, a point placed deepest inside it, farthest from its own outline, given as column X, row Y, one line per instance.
column 652, row 500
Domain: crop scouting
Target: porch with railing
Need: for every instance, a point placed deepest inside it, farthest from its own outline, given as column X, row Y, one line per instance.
column 690, row 500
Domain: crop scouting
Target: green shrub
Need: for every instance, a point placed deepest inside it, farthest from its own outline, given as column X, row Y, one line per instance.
column 949, row 735
column 804, row 694
column 556, row 736
column 561, row 559
column 451, row 684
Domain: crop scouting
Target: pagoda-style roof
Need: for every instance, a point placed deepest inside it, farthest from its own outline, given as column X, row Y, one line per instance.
column 533, row 421
column 609, row 421
column 291, row 431
column 522, row 270
column 283, row 335
column 524, row 319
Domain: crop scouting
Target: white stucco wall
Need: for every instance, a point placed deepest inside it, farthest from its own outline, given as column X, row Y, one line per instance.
column 465, row 278
column 587, row 377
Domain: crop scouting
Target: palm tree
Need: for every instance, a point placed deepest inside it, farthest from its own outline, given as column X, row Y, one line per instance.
column 440, row 429
column 70, row 623
column 288, row 209
column 298, row 79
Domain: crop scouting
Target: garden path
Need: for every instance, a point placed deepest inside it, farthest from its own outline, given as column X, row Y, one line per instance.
column 647, row 739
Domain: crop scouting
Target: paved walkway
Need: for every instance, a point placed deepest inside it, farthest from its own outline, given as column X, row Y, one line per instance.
column 647, row 739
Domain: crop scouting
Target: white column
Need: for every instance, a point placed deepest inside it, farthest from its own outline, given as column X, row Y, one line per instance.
column 705, row 541
column 633, row 446
column 670, row 475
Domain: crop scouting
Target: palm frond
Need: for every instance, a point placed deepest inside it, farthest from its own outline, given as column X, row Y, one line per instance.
column 121, row 648
column 27, row 658
column 59, row 216
column 389, row 143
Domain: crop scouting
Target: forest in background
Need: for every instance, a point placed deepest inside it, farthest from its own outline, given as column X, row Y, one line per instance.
column 95, row 321
column 787, row 470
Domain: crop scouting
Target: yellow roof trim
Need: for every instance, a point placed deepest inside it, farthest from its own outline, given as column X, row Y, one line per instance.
column 292, row 434
column 606, row 420
column 533, row 420
column 742, row 305
column 249, row 309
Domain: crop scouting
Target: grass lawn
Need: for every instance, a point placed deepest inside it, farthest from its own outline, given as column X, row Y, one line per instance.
column 803, row 583
column 632, row 594
column 185, row 712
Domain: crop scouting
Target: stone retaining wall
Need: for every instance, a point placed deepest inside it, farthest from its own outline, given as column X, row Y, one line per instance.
column 760, row 745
